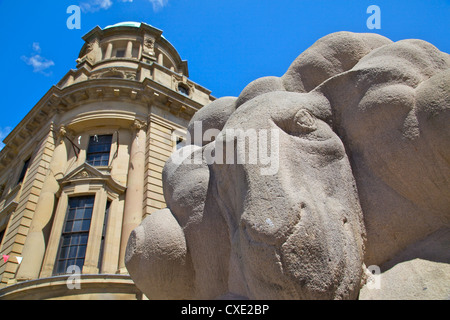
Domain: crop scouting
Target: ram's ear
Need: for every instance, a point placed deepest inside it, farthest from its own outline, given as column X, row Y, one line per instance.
column 258, row 87
column 329, row 56
column 213, row 116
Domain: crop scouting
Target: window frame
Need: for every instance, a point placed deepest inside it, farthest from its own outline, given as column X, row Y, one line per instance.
column 65, row 261
column 89, row 152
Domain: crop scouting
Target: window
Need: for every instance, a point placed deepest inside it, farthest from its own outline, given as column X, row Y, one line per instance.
column 2, row 234
column 120, row 53
column 2, row 189
column 75, row 234
column 113, row 75
column 180, row 143
column 24, row 170
column 98, row 150
column 183, row 90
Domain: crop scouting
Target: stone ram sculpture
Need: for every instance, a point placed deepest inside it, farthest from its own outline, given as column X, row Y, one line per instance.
column 360, row 177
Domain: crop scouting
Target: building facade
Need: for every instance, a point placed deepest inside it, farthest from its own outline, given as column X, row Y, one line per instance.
column 83, row 168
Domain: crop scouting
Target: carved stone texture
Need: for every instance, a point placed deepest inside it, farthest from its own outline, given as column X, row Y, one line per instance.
column 362, row 151
column 149, row 46
column 82, row 175
column 139, row 125
column 62, row 132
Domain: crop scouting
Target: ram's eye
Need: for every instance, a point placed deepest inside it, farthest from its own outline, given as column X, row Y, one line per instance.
column 304, row 121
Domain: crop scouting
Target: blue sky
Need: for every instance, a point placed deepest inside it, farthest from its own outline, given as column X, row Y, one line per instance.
column 227, row 43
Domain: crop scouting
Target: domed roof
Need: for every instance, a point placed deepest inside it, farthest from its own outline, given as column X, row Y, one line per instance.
column 125, row 24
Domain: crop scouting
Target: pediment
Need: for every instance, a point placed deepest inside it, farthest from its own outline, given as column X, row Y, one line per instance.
column 86, row 173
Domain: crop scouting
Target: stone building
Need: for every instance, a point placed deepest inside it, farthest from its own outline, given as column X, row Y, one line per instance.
column 83, row 168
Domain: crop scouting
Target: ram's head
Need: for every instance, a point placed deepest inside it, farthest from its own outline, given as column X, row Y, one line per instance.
column 302, row 180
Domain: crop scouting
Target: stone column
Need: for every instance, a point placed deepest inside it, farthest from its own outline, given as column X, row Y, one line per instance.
column 134, row 197
column 160, row 59
column 108, row 51
column 34, row 248
column 129, row 52
column 92, row 257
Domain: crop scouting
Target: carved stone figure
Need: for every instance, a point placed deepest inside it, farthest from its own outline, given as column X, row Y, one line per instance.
column 362, row 178
column 149, row 46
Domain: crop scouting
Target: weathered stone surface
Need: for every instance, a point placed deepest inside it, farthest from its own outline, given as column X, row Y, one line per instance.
column 421, row 271
column 158, row 257
column 212, row 116
column 393, row 125
column 259, row 87
column 329, row 56
column 356, row 174
column 287, row 241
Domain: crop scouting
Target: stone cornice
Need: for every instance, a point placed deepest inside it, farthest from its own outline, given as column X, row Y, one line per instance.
column 58, row 100
column 128, row 73
column 56, row 286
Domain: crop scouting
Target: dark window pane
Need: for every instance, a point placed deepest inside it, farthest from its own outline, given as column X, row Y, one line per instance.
column 85, row 225
column 75, row 239
column 66, row 241
column 73, row 202
column 24, row 170
column 77, row 225
column 87, row 213
column 79, row 214
column 183, row 90
column 80, row 263
column 63, row 253
column 71, row 214
column 68, row 227
column 81, row 251
column 73, row 252
column 83, row 239
column 61, row 268
column 120, row 53
column 87, row 201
